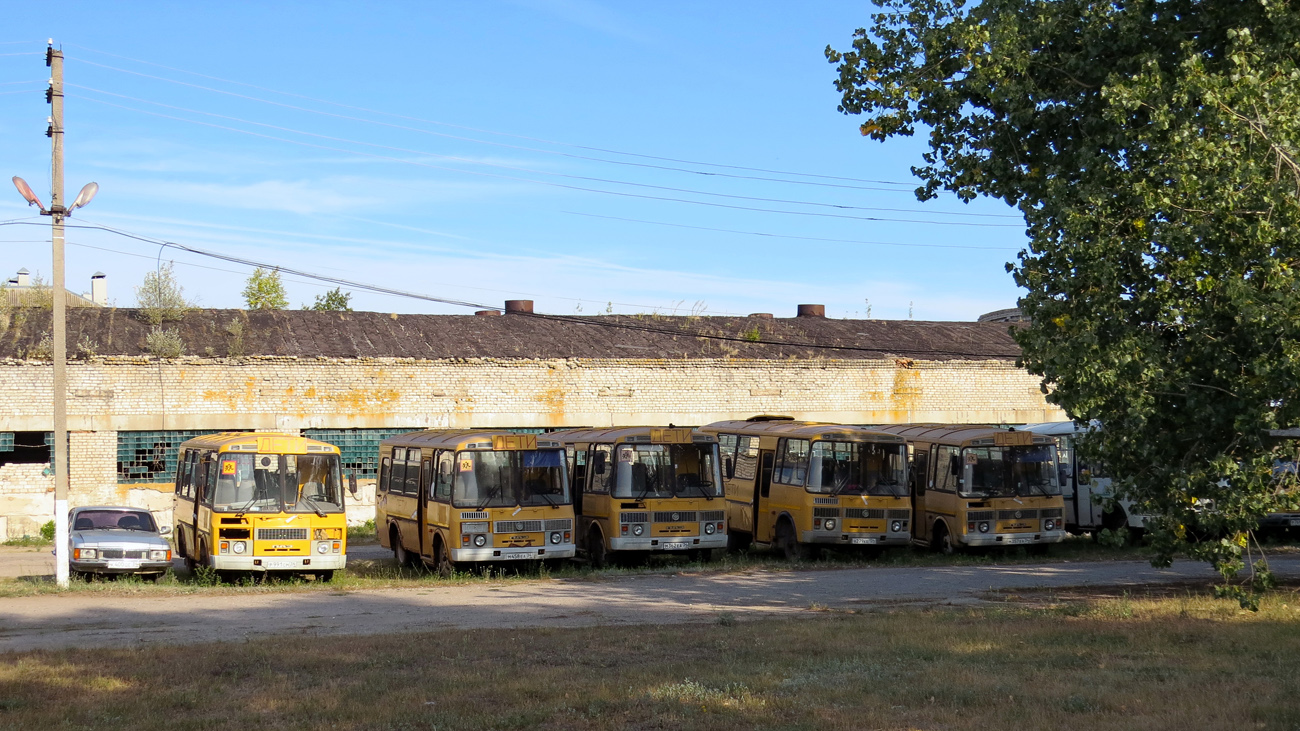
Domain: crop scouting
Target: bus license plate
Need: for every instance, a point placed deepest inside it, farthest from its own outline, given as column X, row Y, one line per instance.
column 677, row 546
column 511, row 555
column 863, row 541
column 1295, row 522
column 124, row 564
column 281, row 563
column 1012, row 540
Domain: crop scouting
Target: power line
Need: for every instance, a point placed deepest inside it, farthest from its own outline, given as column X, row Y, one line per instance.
column 594, row 321
column 566, row 186
column 455, row 126
column 533, row 171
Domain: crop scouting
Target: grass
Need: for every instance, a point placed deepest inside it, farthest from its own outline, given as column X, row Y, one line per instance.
column 1143, row 663
column 28, row 542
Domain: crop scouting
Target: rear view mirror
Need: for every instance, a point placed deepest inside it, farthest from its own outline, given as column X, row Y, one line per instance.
column 352, row 483
column 954, row 465
column 729, row 468
column 598, row 463
column 164, row 530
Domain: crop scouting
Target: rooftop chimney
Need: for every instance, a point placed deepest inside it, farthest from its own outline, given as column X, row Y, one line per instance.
column 519, row 307
column 99, row 289
column 24, row 278
column 811, row 311
column 487, row 313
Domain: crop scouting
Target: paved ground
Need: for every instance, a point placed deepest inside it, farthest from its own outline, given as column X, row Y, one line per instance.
column 85, row 620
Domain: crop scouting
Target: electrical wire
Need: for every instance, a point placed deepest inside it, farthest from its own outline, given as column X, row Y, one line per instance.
column 567, row 319
column 531, row 171
column 457, row 126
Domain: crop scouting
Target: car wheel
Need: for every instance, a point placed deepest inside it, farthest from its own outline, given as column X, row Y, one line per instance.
column 151, row 578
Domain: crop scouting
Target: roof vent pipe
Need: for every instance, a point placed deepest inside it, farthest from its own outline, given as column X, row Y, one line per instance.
column 487, row 313
column 811, row 311
column 519, row 307
column 99, row 289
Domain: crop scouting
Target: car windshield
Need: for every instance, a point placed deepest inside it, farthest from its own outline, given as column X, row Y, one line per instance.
column 667, row 470
column 1010, row 471
column 139, row 520
column 858, row 468
column 273, row 482
column 502, row 479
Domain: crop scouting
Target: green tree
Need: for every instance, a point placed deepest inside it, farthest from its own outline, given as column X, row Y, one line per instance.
column 160, row 297
column 265, row 291
column 1152, row 148
column 335, row 300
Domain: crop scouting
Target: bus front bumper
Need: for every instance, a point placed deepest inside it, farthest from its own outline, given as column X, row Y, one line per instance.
column 531, row 553
column 668, row 543
column 326, row 562
column 1013, row 539
column 833, row 538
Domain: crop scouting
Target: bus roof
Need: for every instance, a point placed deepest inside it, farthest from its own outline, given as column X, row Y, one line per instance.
column 265, row 442
column 814, row 430
column 472, row 439
column 651, row 434
column 956, row 433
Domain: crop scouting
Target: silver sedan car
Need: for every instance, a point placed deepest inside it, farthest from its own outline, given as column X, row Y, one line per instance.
column 107, row 540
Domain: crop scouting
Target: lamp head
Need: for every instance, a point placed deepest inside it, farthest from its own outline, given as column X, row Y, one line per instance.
column 26, row 191
column 84, row 196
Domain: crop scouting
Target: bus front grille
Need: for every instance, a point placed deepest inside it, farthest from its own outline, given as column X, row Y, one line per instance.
column 900, row 514
column 712, row 516
column 1050, row 512
column 281, row 534
column 1017, row 514
column 833, row 512
column 559, row 524
column 517, row 526
column 676, row 516
column 474, row 516
column 979, row 515
column 634, row 518
column 875, row 513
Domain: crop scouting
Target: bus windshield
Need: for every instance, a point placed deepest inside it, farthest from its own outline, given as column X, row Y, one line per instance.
column 667, row 470
column 298, row 483
column 502, row 479
column 858, row 468
column 1010, row 471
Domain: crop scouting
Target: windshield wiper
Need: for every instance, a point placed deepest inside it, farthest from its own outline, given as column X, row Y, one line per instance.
column 315, row 506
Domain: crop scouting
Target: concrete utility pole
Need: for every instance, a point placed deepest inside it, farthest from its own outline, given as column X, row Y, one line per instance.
column 57, row 212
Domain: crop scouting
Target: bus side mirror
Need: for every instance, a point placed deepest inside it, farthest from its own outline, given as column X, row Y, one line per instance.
column 598, row 463
column 352, row 483
column 954, row 465
column 729, row 468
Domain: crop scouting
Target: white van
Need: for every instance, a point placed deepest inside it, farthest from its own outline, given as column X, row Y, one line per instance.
column 1086, row 487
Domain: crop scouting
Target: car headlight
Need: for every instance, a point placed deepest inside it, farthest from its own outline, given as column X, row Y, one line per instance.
column 322, row 547
column 638, row 530
column 708, row 528
column 85, row 554
column 896, row 526
column 555, row 537
column 984, row 527
column 480, row 540
column 830, row 524
column 239, row 547
column 159, row 555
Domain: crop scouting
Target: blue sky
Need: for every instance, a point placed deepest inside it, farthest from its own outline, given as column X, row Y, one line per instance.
column 427, row 147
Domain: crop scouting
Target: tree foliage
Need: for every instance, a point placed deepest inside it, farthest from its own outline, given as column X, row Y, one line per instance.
column 160, row 297
column 1152, row 147
column 265, row 291
column 335, row 300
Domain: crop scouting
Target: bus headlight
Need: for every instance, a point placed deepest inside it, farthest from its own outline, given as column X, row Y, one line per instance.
column 896, row 526
column 708, row 528
column 638, row 530
column 238, row 547
column 830, row 524
column 480, row 540
column 1049, row 524
column 555, row 537
column 984, row 527
column 322, row 547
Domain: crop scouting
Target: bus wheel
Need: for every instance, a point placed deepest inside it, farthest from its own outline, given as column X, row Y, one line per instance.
column 596, row 553
column 943, row 539
column 790, row 546
column 190, row 563
column 738, row 542
column 325, row 576
column 445, row 566
column 400, row 554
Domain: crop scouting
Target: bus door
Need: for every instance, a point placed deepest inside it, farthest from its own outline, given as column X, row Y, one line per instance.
column 1068, row 478
column 424, row 510
column 920, row 481
column 762, row 486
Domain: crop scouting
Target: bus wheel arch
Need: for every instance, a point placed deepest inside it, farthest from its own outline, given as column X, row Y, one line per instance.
column 942, row 538
column 596, row 552
column 787, row 539
column 442, row 557
column 400, row 554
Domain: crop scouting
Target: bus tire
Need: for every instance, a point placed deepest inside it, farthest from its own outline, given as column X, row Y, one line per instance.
column 943, row 539
column 596, row 553
column 181, row 548
column 444, row 566
column 789, row 544
column 400, row 554
column 738, row 542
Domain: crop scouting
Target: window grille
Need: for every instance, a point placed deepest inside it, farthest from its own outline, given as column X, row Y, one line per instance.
column 150, row 456
column 358, row 448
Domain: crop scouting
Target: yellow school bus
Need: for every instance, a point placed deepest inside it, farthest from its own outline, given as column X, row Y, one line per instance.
column 983, row 486
column 644, row 490
column 261, row 503
column 803, row 486
column 452, row 497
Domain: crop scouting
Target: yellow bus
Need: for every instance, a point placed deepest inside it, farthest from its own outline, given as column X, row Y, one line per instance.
column 261, row 503
column 644, row 490
column 451, row 497
column 983, row 486
column 803, row 486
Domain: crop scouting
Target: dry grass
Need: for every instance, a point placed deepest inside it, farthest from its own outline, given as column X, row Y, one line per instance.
column 1168, row 663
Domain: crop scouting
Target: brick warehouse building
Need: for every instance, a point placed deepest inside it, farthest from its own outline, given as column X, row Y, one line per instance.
column 354, row 378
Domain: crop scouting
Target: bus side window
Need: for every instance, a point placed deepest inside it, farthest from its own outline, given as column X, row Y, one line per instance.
column 426, row 472
column 920, row 463
column 385, row 469
column 601, row 468
column 746, row 467
column 792, row 464
column 182, row 473
column 442, row 490
column 209, row 467
column 944, row 479
column 413, row 472
column 727, row 450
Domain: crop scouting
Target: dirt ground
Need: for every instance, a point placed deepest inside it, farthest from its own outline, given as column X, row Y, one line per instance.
column 115, row 620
